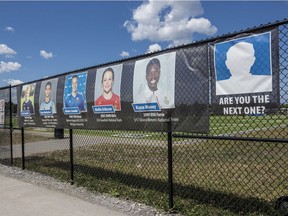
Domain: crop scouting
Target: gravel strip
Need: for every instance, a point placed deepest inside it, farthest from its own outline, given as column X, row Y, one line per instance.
column 125, row 206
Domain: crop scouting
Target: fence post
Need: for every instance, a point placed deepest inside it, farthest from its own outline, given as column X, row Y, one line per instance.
column 71, row 157
column 170, row 163
column 11, row 125
column 23, row 148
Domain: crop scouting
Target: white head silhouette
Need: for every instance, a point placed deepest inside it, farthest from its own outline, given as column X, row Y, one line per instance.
column 240, row 59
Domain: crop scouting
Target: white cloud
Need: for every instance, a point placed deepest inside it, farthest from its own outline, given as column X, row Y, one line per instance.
column 4, row 49
column 46, row 55
column 13, row 82
column 153, row 48
column 9, row 66
column 9, row 29
column 124, row 54
column 172, row 21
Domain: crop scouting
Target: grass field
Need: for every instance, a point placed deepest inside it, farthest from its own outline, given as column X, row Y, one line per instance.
column 240, row 124
column 211, row 177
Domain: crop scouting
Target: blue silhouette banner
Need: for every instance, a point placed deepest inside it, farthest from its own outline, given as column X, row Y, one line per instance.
column 245, row 74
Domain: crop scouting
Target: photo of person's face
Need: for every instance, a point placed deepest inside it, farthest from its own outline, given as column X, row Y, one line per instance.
column 47, row 91
column 153, row 76
column 74, row 85
column 107, row 81
column 27, row 93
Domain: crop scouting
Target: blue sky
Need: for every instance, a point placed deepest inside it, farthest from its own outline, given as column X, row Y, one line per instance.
column 40, row 39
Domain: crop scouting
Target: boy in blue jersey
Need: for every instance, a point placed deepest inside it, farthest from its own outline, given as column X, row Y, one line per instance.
column 75, row 99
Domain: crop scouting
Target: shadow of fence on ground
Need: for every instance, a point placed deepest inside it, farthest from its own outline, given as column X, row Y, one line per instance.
column 190, row 193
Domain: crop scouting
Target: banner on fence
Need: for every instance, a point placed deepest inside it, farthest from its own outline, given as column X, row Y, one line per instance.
column 165, row 91
column 160, row 92
column 245, row 74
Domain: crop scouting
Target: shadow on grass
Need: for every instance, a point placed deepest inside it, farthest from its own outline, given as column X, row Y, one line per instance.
column 5, row 161
column 190, row 195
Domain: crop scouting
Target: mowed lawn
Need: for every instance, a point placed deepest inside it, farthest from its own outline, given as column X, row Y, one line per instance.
column 249, row 125
column 211, row 177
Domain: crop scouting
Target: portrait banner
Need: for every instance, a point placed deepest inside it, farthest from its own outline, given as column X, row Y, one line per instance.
column 170, row 91
column 107, row 90
column 158, row 92
column 26, row 105
column 245, row 74
column 74, row 105
column 46, row 103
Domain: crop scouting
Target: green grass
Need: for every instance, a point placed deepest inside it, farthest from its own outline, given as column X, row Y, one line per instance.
column 211, row 177
column 220, row 125
column 17, row 139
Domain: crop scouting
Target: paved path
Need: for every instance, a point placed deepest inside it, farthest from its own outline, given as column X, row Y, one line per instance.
column 78, row 141
column 25, row 199
column 52, row 144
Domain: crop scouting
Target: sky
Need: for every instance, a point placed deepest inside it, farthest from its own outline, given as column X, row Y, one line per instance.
column 40, row 39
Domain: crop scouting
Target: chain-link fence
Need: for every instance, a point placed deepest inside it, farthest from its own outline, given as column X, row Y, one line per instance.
column 237, row 167
column 5, row 125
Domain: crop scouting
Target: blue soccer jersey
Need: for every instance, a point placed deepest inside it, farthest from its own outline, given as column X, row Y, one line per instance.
column 77, row 101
